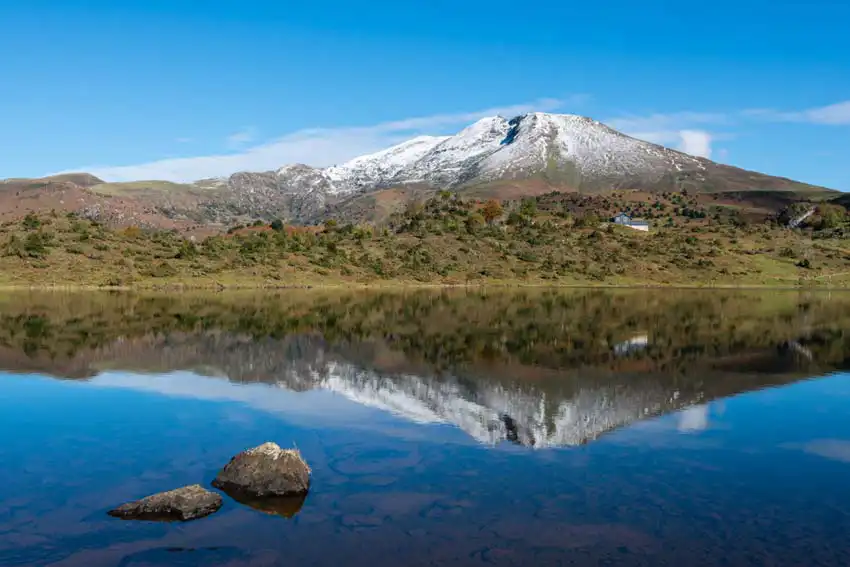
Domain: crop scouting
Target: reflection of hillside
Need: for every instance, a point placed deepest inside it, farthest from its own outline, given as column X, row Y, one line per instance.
column 546, row 369
column 519, row 403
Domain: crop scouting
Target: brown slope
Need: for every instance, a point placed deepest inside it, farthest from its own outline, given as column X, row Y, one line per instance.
column 78, row 194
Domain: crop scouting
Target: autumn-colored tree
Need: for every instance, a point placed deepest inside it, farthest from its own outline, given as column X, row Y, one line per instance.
column 492, row 210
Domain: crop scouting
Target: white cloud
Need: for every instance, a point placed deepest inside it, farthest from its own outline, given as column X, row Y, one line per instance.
column 693, row 419
column 241, row 138
column 835, row 449
column 663, row 137
column 671, row 122
column 837, row 114
column 677, row 129
column 184, row 140
column 833, row 114
column 696, row 143
column 317, row 146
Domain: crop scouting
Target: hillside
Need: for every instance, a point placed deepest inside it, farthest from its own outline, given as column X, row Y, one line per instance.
column 554, row 239
column 495, row 157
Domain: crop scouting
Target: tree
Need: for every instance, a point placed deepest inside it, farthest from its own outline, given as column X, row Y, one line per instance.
column 31, row 221
column 492, row 210
column 528, row 208
column 277, row 225
column 473, row 222
column 831, row 216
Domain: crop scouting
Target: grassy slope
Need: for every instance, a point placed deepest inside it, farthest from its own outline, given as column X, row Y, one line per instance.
column 443, row 242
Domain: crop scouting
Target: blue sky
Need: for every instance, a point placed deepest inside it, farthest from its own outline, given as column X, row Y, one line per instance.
column 184, row 89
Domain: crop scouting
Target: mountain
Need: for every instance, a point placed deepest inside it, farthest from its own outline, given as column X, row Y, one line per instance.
column 569, row 152
column 493, row 158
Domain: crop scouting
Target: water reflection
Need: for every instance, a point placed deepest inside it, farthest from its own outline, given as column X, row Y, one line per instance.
column 540, row 369
column 717, row 442
column 283, row 506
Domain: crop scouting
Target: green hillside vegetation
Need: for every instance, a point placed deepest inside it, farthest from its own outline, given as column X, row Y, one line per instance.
column 552, row 239
column 543, row 328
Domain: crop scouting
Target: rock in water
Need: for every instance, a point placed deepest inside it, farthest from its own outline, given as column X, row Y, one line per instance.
column 187, row 503
column 266, row 470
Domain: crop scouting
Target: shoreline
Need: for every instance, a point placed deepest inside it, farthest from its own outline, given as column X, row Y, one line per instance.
column 397, row 286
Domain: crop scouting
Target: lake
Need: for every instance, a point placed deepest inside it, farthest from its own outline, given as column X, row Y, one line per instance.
column 578, row 427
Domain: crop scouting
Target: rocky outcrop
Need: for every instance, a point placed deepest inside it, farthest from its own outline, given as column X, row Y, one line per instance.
column 265, row 471
column 183, row 504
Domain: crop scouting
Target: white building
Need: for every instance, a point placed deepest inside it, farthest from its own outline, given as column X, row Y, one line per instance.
column 628, row 221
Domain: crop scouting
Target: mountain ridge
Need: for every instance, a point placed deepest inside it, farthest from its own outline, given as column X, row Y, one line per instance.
column 495, row 157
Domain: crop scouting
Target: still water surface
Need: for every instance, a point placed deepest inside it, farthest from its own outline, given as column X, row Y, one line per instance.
column 544, row 428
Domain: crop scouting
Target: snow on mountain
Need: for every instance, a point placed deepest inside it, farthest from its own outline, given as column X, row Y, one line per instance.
column 495, row 148
column 451, row 160
column 538, row 141
column 381, row 167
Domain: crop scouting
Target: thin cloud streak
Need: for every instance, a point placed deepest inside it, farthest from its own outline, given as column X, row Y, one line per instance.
column 241, row 138
column 837, row 114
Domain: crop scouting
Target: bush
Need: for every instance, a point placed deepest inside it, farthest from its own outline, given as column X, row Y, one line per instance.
column 528, row 208
column 473, row 223
column 831, row 216
column 277, row 225
column 36, row 244
column 31, row 222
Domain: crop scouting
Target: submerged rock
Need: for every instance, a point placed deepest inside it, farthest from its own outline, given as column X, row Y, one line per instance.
column 265, row 471
column 187, row 503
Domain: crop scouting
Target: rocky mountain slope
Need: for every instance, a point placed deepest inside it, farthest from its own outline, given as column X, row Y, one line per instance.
column 494, row 157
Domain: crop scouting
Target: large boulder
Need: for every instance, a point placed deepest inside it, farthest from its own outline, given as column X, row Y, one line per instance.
column 187, row 503
column 265, row 471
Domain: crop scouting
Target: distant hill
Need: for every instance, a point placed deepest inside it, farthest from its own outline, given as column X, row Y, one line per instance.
column 495, row 157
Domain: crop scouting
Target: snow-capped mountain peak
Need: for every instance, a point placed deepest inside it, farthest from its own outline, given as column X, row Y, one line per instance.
column 570, row 149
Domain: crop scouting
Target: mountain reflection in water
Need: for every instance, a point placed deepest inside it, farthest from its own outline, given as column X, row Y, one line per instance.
column 540, row 369
column 431, row 422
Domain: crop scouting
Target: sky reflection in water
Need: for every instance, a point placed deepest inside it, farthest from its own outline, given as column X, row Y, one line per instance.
column 405, row 475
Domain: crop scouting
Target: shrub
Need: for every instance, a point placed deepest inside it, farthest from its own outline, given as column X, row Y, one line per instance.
column 36, row 244
column 31, row 222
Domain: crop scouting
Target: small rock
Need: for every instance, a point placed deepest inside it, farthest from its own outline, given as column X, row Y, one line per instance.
column 187, row 503
column 266, row 470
